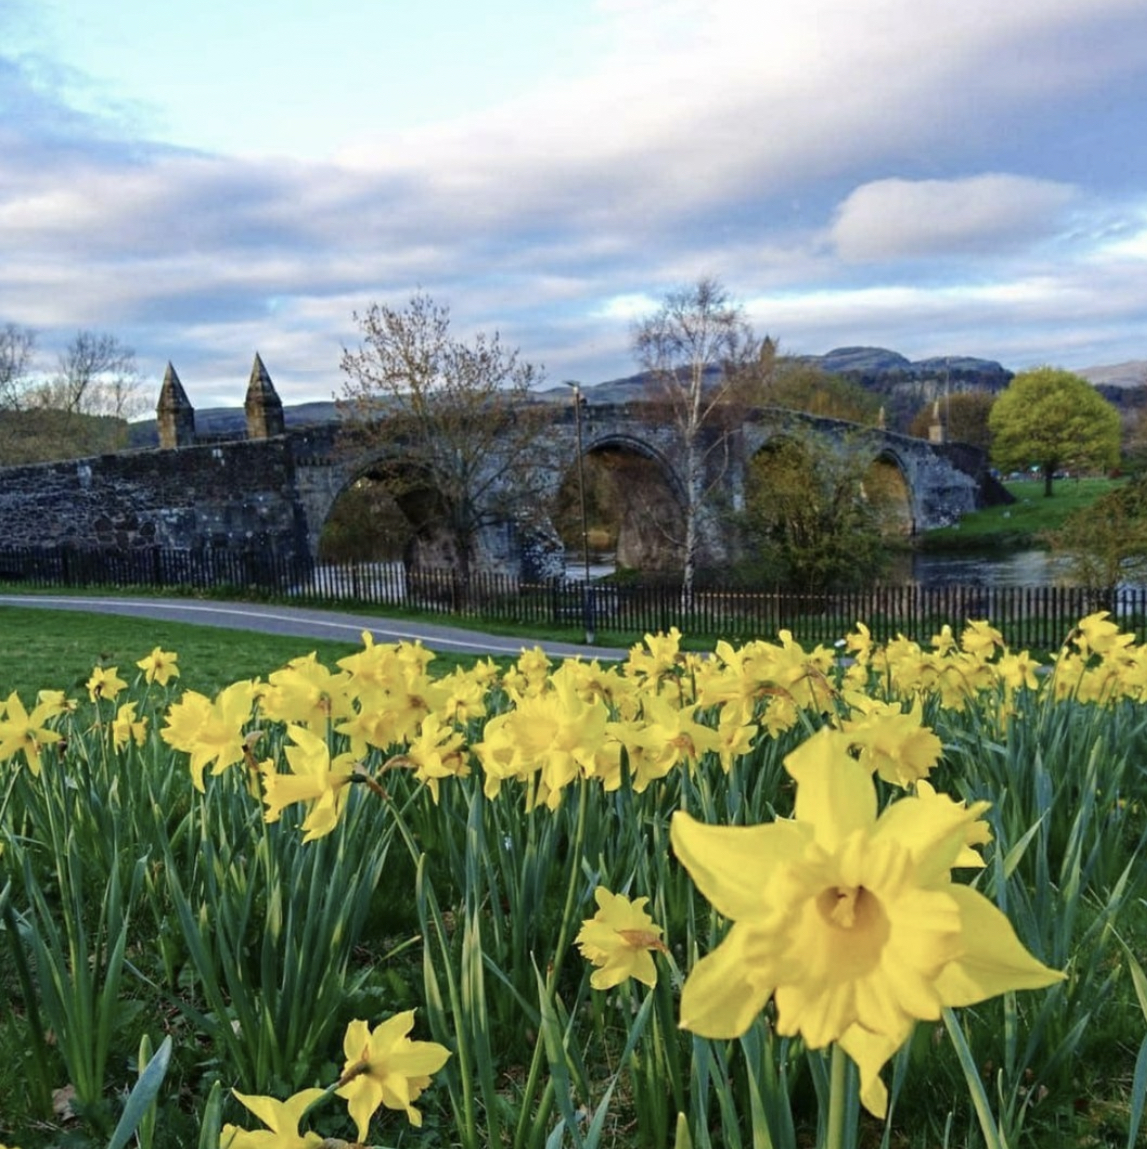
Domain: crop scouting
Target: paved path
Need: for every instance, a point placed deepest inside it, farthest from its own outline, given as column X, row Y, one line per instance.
column 306, row 623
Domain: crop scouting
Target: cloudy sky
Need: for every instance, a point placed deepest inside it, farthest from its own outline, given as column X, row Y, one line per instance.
column 204, row 178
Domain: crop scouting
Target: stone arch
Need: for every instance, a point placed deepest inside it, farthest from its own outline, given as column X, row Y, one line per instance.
column 634, row 502
column 417, row 536
column 888, row 488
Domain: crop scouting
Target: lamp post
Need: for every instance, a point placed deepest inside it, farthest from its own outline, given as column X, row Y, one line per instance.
column 587, row 592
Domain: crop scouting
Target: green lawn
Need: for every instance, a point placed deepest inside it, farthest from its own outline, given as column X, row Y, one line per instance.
column 1022, row 523
column 58, row 648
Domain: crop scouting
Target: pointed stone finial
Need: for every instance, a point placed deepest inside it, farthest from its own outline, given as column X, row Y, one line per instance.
column 263, row 406
column 174, row 415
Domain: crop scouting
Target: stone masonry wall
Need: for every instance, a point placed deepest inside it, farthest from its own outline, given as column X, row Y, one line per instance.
column 234, row 496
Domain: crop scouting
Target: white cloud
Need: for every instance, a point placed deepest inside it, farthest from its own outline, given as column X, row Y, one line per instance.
column 897, row 218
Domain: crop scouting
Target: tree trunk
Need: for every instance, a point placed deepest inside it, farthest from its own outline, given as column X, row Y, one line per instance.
column 1048, row 476
column 689, row 558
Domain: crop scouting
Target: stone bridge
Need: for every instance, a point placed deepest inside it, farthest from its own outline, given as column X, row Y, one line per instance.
column 274, row 489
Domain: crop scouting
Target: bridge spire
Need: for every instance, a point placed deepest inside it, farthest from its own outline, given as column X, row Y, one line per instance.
column 174, row 415
column 263, row 406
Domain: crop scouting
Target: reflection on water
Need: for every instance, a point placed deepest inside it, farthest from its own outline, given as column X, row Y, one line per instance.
column 1016, row 568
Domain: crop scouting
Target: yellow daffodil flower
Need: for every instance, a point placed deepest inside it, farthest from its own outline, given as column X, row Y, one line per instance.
column 659, row 656
column 1097, row 634
column 21, row 731
column 387, row 1068
column 159, row 666
column 104, row 683
column 306, row 693
column 895, row 745
column 210, row 731
column 437, row 752
column 126, row 727
column 850, row 922
column 1018, row 671
column 979, row 637
column 282, row 1121
column 619, row 939
column 314, row 778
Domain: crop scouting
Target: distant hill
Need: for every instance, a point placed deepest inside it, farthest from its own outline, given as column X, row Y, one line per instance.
column 903, row 385
column 1133, row 373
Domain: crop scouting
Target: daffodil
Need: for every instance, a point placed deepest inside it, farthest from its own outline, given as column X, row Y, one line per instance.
column 1097, row 634
column 210, row 731
column 21, row 731
column 159, row 666
column 850, row 922
column 897, row 746
column 437, row 752
column 619, row 940
column 126, row 727
column 314, row 778
column 282, row 1121
column 385, row 1067
column 306, row 693
column 104, row 682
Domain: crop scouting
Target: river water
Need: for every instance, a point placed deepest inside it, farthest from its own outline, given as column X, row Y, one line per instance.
column 1015, row 568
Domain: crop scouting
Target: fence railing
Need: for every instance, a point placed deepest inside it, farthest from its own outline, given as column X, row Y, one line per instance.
column 1033, row 617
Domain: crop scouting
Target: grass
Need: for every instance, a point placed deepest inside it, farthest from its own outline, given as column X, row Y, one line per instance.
column 1022, row 523
column 57, row 649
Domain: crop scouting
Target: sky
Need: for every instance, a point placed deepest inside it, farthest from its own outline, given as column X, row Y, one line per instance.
column 206, row 179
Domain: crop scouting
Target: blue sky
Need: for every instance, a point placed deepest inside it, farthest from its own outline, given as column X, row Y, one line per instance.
column 207, row 179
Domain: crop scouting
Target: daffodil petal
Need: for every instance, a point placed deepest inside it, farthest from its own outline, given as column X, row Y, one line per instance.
column 993, row 961
column 731, row 865
column 870, row 1051
column 835, row 794
column 717, row 1000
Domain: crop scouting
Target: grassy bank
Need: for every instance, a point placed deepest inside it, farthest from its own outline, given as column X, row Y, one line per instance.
column 1022, row 523
column 58, row 648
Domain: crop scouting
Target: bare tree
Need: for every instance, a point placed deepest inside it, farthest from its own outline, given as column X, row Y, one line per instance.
column 96, row 375
column 17, row 346
column 80, row 409
column 452, row 421
column 703, row 362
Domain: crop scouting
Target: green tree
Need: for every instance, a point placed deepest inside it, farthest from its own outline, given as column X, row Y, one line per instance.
column 1106, row 543
column 1051, row 419
column 809, row 520
column 450, row 422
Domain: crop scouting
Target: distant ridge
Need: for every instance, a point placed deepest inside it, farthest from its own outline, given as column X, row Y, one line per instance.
column 904, row 385
column 1133, row 373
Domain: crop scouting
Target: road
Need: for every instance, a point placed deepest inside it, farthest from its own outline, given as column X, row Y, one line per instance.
column 306, row 623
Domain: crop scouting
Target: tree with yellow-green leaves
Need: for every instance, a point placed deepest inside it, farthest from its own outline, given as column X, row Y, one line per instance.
column 1054, row 420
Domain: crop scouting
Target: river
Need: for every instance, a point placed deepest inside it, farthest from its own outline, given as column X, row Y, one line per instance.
column 1031, row 567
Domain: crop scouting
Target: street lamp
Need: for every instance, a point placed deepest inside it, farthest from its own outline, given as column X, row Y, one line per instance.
column 587, row 592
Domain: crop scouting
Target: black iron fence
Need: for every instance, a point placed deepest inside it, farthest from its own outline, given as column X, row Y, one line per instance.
column 1032, row 617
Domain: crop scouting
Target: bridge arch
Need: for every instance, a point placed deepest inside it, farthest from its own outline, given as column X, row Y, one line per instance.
column 887, row 487
column 634, row 501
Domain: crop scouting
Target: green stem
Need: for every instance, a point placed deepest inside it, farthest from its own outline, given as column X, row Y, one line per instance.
column 574, row 882
column 834, row 1135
